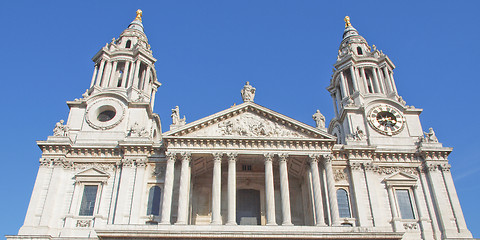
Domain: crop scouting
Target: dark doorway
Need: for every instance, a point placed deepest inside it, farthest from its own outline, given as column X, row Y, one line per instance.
column 248, row 207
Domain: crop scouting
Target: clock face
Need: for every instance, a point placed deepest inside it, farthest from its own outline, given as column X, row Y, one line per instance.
column 386, row 120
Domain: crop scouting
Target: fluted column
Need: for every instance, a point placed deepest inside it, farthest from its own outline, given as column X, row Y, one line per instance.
column 317, row 190
column 125, row 73
column 106, row 76
column 232, row 188
column 131, row 73
column 364, row 77
column 418, row 204
column 343, row 85
column 269, row 189
column 216, row 188
column 113, row 75
column 98, row 82
column 375, row 81
column 332, row 191
column 94, row 75
column 285, row 190
column 354, row 79
column 168, row 188
column 387, row 80
column 136, row 73
column 184, row 187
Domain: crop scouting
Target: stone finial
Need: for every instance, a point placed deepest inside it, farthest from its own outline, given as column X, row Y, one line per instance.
column 319, row 119
column 139, row 15
column 347, row 21
column 248, row 92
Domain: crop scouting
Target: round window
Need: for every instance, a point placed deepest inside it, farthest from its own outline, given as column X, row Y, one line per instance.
column 106, row 116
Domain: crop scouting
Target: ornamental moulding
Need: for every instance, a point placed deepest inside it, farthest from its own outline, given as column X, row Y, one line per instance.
column 277, row 144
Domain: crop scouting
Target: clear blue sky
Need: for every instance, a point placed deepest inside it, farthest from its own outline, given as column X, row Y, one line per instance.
column 206, row 50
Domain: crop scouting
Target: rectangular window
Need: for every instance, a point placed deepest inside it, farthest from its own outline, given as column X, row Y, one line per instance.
column 405, row 204
column 246, row 167
column 88, row 200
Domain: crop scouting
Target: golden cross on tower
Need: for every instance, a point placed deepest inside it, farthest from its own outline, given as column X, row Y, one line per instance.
column 139, row 15
column 347, row 21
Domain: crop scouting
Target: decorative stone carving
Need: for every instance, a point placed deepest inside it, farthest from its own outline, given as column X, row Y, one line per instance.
column 176, row 120
column 83, row 223
column 339, row 174
column 217, row 156
column 410, row 226
column 248, row 93
column 319, row 119
column 268, row 157
column 137, row 131
column 159, row 171
column 355, row 166
column 101, row 166
column 232, row 156
column 358, row 135
column 390, row 170
column 430, row 136
column 60, row 130
column 251, row 125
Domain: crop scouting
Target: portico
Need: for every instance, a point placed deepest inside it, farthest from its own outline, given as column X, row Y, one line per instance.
column 213, row 166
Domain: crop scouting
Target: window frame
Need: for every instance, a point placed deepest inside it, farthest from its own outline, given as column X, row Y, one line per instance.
column 348, row 201
column 412, row 203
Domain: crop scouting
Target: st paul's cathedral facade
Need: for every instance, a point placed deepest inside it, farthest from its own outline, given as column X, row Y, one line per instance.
column 246, row 172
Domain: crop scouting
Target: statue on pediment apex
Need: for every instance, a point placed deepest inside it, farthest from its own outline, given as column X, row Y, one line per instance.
column 248, row 92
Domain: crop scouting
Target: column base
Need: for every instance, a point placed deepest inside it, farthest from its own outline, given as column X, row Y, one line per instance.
column 216, row 223
column 180, row 223
column 164, row 223
column 287, row 224
column 231, row 223
column 271, row 224
column 321, row 225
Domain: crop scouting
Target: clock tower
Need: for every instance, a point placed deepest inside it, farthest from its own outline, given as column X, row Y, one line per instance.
column 368, row 109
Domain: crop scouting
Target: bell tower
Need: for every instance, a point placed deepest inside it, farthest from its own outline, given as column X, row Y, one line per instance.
column 120, row 100
column 368, row 109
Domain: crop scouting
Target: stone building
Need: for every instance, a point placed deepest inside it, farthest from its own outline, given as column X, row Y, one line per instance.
column 245, row 172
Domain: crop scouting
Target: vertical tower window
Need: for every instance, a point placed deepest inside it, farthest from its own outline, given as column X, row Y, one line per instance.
column 359, row 51
column 404, row 203
column 88, row 200
column 343, row 203
column 128, row 44
column 154, row 197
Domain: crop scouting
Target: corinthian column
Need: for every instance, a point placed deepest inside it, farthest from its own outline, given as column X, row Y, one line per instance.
column 184, row 187
column 285, row 190
column 168, row 188
column 269, row 189
column 332, row 192
column 216, row 188
column 317, row 192
column 232, row 188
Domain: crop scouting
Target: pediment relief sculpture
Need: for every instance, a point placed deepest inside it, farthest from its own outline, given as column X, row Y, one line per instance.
column 249, row 125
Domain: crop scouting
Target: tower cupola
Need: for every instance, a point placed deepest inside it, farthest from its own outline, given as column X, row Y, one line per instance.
column 126, row 66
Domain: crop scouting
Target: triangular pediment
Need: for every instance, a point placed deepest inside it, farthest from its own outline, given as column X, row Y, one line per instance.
column 92, row 175
column 249, row 120
column 401, row 177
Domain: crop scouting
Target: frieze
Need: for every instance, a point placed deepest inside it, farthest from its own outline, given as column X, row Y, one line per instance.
column 294, row 145
column 106, row 167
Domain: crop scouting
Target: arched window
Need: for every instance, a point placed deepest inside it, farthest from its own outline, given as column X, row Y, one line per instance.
column 128, row 44
column 343, row 203
column 359, row 51
column 154, row 196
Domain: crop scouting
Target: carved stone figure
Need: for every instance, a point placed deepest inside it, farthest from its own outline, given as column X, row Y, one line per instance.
column 248, row 92
column 357, row 135
column 430, row 136
column 319, row 119
column 60, row 130
column 137, row 131
column 176, row 120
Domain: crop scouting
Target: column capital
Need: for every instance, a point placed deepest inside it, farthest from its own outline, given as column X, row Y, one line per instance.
column 232, row 156
column 186, row 156
column 327, row 158
column 313, row 157
column 283, row 157
column 171, row 156
column 217, row 156
column 268, row 157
